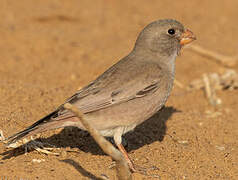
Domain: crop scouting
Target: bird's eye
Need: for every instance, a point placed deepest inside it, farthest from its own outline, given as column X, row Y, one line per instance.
column 171, row 31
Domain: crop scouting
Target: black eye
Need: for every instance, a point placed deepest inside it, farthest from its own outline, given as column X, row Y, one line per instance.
column 171, row 31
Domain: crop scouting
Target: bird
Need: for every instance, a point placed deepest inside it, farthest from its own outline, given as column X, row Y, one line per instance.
column 129, row 92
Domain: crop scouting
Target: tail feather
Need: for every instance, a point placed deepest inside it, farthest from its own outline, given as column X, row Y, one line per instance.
column 31, row 130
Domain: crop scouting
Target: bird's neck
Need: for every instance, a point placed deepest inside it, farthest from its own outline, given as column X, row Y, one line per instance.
column 170, row 63
column 166, row 62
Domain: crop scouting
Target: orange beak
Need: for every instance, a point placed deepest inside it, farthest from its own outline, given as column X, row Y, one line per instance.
column 187, row 37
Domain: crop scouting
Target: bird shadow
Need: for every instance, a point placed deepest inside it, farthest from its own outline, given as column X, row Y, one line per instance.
column 154, row 129
column 80, row 169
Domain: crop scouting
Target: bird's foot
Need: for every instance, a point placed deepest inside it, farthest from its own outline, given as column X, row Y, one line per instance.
column 130, row 164
column 144, row 171
column 140, row 170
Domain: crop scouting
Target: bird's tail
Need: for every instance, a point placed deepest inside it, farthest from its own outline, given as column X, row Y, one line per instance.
column 42, row 125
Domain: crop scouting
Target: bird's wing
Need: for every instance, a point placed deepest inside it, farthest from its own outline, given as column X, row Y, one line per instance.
column 103, row 93
column 117, row 96
column 93, row 102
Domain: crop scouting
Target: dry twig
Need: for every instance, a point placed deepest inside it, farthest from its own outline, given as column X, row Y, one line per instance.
column 210, row 92
column 227, row 80
column 228, row 61
column 123, row 172
column 179, row 84
column 214, row 81
column 2, row 138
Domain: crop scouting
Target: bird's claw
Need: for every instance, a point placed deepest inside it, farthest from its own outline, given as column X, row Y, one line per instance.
column 144, row 171
column 140, row 170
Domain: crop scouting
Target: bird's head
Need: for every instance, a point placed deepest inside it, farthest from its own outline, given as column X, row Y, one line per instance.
column 164, row 37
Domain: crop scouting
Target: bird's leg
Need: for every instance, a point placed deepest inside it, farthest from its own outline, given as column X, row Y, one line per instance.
column 137, row 169
column 118, row 141
column 125, row 154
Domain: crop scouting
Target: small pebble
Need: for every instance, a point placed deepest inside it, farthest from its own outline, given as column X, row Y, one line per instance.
column 221, row 148
column 183, row 142
column 200, row 124
column 38, row 160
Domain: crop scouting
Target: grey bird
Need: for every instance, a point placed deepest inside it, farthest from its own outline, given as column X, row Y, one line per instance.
column 129, row 92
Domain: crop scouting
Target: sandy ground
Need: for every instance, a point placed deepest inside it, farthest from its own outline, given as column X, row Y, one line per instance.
column 51, row 48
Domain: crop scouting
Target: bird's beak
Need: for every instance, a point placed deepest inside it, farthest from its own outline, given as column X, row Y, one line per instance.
column 187, row 37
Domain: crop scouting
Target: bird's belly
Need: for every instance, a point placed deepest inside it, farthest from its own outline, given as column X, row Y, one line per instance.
column 111, row 131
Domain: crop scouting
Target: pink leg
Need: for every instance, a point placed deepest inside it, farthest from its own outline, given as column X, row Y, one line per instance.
column 124, row 153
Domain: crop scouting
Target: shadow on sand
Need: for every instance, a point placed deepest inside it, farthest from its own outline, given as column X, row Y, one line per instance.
column 154, row 129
